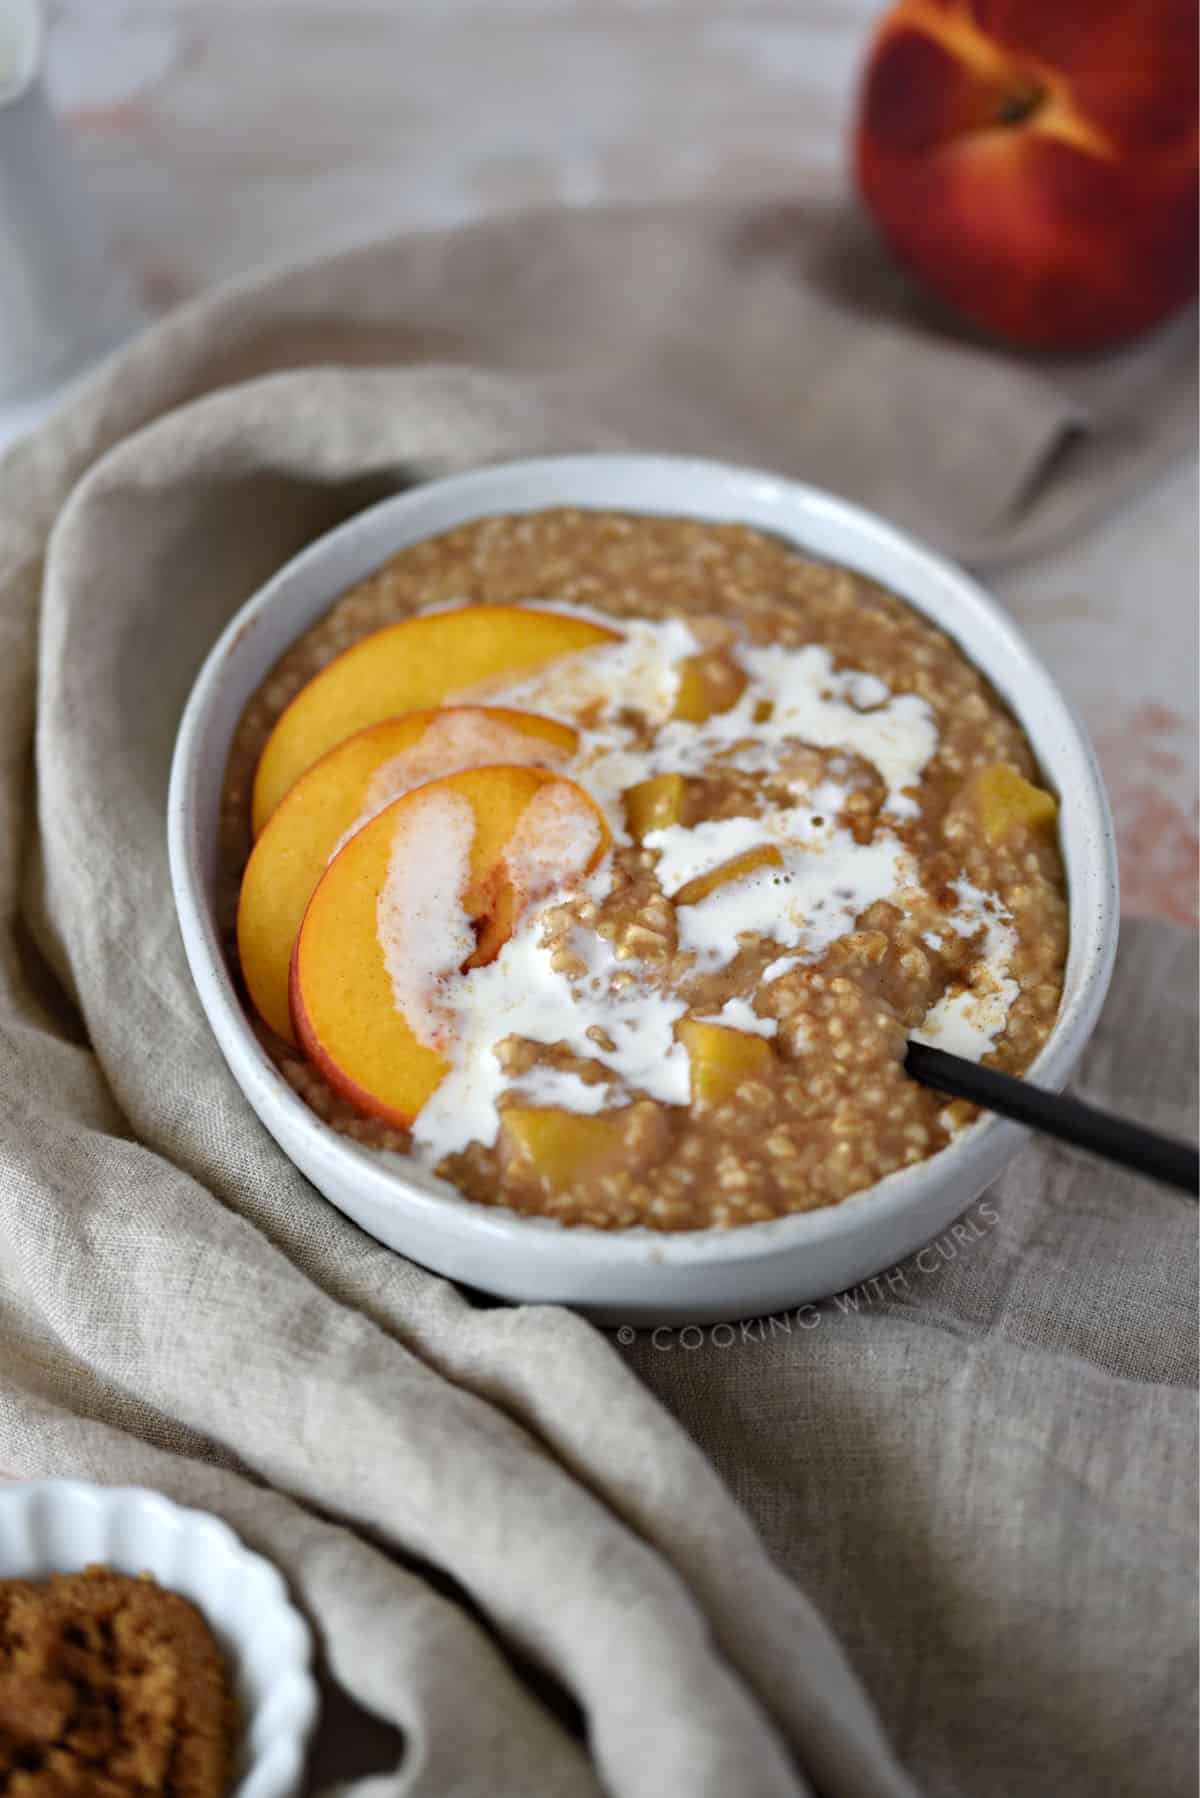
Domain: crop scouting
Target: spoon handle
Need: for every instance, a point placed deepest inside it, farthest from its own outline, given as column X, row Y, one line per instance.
column 1162, row 1158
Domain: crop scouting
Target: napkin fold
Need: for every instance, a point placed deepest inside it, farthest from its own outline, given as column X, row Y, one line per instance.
column 935, row 1536
column 777, row 332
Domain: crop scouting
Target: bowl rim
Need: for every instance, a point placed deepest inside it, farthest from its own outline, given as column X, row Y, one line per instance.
column 1093, row 928
column 295, row 1660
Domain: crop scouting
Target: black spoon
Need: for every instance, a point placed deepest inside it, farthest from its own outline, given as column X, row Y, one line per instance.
column 1162, row 1158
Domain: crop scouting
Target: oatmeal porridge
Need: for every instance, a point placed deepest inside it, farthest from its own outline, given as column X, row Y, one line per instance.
column 605, row 864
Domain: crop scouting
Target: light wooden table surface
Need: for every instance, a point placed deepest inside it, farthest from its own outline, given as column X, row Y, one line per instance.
column 220, row 136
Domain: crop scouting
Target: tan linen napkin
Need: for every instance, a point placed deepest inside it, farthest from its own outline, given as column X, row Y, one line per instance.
column 980, row 1475
column 776, row 333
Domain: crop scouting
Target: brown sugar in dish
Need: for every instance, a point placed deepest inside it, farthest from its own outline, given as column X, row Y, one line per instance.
column 110, row 1687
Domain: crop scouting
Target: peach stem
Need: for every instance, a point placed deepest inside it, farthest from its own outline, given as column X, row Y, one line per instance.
column 1020, row 104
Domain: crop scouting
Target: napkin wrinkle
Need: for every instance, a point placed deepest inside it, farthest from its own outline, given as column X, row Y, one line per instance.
column 1063, row 442
column 551, row 294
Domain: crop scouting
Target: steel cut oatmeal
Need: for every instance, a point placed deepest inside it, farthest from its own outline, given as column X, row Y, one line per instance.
column 825, row 832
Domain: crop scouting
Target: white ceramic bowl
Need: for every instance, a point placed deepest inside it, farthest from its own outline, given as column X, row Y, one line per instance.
column 61, row 1526
column 636, row 1276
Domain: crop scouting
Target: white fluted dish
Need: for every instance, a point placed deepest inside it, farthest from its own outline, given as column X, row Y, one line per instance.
column 636, row 1276
column 62, row 1526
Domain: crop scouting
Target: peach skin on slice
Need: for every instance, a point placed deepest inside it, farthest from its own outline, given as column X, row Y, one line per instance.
column 403, row 668
column 345, row 788
column 429, row 887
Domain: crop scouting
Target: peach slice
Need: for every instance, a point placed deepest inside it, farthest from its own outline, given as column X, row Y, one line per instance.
column 405, row 667
column 1006, row 801
column 344, row 789
column 692, row 891
column 429, row 887
column 721, row 1058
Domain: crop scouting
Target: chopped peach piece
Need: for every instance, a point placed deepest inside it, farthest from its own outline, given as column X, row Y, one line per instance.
column 722, row 1058
column 563, row 1146
column 692, row 891
column 708, row 683
column 342, row 790
column 405, row 667
column 1006, row 801
column 654, row 804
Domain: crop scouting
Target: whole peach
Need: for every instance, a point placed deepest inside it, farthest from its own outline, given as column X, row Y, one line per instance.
column 1035, row 161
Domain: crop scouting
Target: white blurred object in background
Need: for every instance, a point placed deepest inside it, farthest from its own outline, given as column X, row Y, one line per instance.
column 62, row 302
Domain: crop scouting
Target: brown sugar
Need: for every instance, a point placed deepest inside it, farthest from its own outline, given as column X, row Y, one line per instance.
column 110, row 1686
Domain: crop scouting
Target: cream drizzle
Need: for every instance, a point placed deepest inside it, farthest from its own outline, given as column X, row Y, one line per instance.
column 827, row 878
